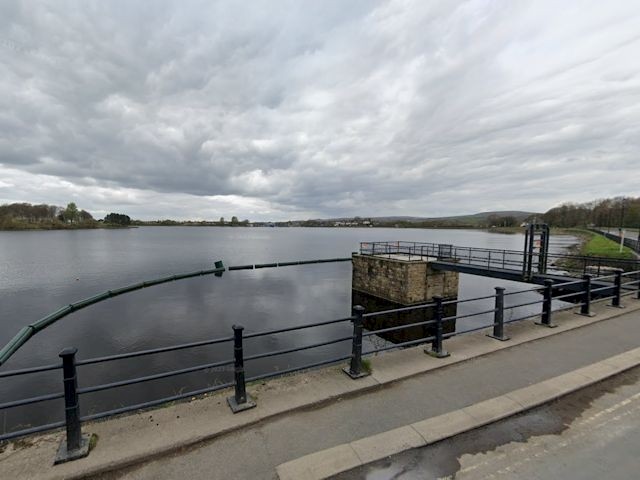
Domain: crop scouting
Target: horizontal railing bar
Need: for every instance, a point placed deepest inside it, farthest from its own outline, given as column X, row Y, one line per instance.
column 535, row 302
column 604, row 277
column 630, row 292
column 25, row 371
column 518, row 319
column 120, row 356
column 298, row 327
column 449, row 302
column 398, row 327
column 600, row 289
column 296, row 349
column 458, row 317
column 401, row 309
column 156, row 376
column 154, row 403
column 528, row 290
column 602, row 299
column 567, row 295
column 468, row 330
column 29, row 401
column 566, row 284
column 297, row 369
column 30, row 431
column 399, row 345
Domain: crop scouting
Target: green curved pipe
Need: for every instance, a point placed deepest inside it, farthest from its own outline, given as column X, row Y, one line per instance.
column 27, row 332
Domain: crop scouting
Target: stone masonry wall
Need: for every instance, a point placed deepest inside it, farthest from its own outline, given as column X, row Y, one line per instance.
column 401, row 281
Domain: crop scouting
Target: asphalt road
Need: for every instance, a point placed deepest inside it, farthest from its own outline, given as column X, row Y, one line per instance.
column 591, row 434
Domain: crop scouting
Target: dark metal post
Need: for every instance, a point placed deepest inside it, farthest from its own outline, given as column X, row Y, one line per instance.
column 437, row 350
column 240, row 400
column 219, row 265
column 498, row 316
column 617, row 292
column 355, row 370
column 545, row 318
column 585, row 308
column 638, row 286
column 76, row 445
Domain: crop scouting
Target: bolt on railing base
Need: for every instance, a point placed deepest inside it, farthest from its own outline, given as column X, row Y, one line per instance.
column 433, row 353
column 240, row 407
column 503, row 338
column 363, row 373
column 65, row 455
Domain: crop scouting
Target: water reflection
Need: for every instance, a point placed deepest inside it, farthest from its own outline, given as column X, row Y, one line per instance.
column 34, row 282
column 372, row 303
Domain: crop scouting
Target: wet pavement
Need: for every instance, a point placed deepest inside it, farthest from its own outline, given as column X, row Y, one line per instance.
column 593, row 433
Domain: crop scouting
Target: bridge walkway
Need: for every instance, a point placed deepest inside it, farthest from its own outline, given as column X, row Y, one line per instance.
column 254, row 452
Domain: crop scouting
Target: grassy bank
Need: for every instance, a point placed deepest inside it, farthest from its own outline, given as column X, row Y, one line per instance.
column 600, row 246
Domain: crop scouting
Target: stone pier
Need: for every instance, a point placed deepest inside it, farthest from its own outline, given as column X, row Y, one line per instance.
column 402, row 280
column 388, row 282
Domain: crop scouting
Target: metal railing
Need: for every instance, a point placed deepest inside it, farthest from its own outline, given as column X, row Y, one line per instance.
column 494, row 259
column 617, row 286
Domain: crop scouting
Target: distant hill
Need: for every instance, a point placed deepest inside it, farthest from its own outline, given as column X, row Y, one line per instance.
column 483, row 216
column 471, row 219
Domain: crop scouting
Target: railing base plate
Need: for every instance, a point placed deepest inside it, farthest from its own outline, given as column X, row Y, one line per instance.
column 347, row 370
column 548, row 325
column 585, row 314
column 240, row 407
column 502, row 339
column 433, row 353
column 65, row 456
column 615, row 306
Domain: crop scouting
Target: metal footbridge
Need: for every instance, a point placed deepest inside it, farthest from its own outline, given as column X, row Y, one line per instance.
column 529, row 266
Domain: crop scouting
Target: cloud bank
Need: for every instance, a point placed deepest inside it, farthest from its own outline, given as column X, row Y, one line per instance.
column 300, row 109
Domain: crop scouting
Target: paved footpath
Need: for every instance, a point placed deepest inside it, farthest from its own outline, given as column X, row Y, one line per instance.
column 588, row 435
column 254, row 452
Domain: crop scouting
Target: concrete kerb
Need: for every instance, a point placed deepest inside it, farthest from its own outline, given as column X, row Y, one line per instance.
column 341, row 458
column 191, row 423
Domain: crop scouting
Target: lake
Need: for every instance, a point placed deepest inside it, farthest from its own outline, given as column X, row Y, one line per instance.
column 41, row 271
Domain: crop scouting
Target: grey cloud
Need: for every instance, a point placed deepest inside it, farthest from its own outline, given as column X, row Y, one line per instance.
column 292, row 109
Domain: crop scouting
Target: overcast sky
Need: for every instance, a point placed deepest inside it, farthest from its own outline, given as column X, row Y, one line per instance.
column 306, row 109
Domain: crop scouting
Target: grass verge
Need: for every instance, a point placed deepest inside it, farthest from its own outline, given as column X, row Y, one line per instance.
column 600, row 246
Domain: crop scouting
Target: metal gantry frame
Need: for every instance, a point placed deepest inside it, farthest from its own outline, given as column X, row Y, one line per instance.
column 535, row 232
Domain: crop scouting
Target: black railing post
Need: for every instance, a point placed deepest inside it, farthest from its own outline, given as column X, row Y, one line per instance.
column 437, row 350
column 355, row 370
column 240, row 400
column 638, row 280
column 545, row 317
column 75, row 445
column 617, row 289
column 585, row 308
column 498, row 316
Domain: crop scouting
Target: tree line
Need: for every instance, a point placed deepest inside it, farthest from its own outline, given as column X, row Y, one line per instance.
column 609, row 212
column 18, row 216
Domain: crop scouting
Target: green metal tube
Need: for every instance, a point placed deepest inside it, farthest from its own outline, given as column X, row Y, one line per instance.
column 90, row 301
column 15, row 343
column 51, row 318
column 27, row 332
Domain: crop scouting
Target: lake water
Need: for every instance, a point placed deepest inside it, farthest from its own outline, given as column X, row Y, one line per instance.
column 41, row 271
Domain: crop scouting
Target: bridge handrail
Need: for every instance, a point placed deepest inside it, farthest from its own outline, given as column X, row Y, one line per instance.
column 436, row 308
